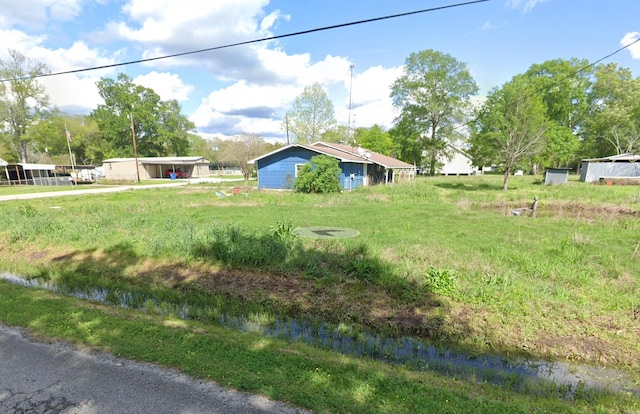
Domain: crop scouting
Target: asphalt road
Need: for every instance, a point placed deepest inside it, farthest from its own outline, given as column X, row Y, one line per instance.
column 52, row 378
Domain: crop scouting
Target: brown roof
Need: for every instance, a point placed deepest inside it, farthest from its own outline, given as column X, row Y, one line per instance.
column 360, row 154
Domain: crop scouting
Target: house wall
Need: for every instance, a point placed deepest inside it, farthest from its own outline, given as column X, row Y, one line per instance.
column 359, row 174
column 278, row 170
column 591, row 171
column 458, row 165
column 125, row 170
column 200, row 170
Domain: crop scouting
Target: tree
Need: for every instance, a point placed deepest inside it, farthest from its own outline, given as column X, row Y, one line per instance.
column 338, row 134
column 311, row 115
column 49, row 139
column 563, row 86
column 561, row 146
column 375, row 139
column 509, row 127
column 23, row 100
column 433, row 95
column 320, row 175
column 614, row 122
column 159, row 126
column 239, row 150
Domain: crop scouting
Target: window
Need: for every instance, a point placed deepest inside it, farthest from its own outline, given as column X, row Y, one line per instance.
column 299, row 168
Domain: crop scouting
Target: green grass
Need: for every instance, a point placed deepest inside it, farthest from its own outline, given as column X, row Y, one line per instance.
column 440, row 259
column 292, row 372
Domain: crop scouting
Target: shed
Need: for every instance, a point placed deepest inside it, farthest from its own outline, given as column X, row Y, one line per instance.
column 359, row 166
column 117, row 169
column 553, row 176
column 615, row 166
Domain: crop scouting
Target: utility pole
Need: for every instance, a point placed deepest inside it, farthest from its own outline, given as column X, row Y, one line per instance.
column 135, row 149
column 73, row 166
column 350, row 87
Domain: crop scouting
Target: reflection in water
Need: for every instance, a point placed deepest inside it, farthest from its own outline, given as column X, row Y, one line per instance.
column 565, row 378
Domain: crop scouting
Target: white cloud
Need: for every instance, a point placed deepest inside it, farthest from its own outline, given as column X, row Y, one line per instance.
column 72, row 94
column 370, row 100
column 167, row 85
column 526, row 5
column 35, row 13
column 488, row 26
column 244, row 108
column 635, row 47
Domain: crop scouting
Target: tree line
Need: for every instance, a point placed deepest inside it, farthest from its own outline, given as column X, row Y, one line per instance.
column 553, row 115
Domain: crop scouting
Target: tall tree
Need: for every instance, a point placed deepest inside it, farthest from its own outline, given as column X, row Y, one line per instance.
column 563, row 86
column 159, row 126
column 433, row 95
column 239, row 150
column 614, row 123
column 311, row 115
column 23, row 100
column 509, row 127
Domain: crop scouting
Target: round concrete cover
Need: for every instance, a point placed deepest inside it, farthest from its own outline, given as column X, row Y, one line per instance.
column 326, row 232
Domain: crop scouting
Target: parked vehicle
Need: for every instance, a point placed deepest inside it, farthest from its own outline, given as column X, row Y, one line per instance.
column 179, row 173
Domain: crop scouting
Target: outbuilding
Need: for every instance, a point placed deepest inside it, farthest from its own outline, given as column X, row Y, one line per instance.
column 458, row 163
column 553, row 176
column 34, row 174
column 359, row 166
column 124, row 169
column 615, row 166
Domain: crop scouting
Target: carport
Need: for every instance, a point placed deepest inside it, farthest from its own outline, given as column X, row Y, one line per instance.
column 154, row 167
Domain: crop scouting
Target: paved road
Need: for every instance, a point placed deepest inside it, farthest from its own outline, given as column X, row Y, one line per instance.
column 54, row 378
column 88, row 190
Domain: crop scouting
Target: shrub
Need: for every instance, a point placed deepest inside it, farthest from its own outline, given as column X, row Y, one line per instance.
column 320, row 175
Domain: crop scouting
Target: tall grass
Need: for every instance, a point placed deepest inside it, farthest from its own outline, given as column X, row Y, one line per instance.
column 445, row 251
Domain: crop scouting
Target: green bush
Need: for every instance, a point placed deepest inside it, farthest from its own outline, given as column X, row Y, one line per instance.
column 320, row 175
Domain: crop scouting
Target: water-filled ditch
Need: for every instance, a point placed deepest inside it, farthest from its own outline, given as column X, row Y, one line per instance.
column 517, row 373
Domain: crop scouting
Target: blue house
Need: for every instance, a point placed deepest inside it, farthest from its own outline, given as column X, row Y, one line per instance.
column 360, row 167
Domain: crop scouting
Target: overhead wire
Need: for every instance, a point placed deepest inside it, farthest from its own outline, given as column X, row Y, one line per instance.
column 559, row 80
column 248, row 42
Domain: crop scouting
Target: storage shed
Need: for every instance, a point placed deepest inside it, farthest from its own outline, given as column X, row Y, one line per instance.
column 553, row 176
column 615, row 166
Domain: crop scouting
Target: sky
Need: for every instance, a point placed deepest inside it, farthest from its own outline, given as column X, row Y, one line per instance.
column 248, row 89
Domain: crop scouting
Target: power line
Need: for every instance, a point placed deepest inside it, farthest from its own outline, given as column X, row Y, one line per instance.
column 248, row 42
column 558, row 81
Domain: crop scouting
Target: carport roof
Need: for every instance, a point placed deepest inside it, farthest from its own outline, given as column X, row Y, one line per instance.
column 162, row 160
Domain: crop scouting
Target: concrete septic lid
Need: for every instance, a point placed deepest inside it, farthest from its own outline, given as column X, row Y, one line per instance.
column 324, row 232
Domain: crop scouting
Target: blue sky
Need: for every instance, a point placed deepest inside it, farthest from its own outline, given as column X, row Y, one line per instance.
column 248, row 89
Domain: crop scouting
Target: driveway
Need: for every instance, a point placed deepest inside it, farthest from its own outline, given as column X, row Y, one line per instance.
column 52, row 378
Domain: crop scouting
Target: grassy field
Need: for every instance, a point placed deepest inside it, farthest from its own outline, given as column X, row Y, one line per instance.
column 441, row 259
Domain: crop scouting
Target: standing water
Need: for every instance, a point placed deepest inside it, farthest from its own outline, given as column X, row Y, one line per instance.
column 517, row 373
